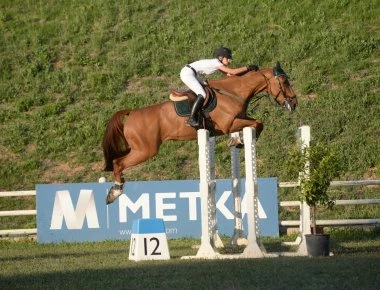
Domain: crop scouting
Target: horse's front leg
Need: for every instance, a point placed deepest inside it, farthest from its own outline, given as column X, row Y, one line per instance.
column 240, row 124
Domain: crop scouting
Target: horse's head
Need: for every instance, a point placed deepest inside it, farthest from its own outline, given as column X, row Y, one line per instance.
column 279, row 86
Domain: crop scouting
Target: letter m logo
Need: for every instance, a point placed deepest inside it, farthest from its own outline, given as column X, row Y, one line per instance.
column 64, row 210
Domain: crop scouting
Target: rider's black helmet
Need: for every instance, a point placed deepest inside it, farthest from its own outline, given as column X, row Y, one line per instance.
column 224, row 52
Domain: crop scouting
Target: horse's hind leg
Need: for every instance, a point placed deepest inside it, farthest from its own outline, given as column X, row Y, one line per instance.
column 134, row 158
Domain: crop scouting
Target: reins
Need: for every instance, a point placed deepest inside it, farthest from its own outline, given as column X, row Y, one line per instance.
column 231, row 95
column 236, row 97
column 257, row 98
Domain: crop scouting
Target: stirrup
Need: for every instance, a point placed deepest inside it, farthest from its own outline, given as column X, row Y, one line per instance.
column 192, row 122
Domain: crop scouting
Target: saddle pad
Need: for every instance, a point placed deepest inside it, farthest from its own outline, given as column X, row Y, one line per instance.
column 183, row 109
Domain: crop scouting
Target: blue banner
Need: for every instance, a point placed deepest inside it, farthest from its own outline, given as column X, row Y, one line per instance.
column 78, row 212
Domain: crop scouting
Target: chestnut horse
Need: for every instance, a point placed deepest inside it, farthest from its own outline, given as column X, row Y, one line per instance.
column 133, row 136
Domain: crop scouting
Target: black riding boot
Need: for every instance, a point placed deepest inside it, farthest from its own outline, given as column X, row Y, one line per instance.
column 193, row 120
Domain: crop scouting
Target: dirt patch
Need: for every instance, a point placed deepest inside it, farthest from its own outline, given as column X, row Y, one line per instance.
column 6, row 154
column 57, row 64
column 372, row 173
column 361, row 74
column 57, row 172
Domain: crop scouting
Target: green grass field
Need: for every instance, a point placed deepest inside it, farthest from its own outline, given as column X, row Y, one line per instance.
column 68, row 65
column 105, row 265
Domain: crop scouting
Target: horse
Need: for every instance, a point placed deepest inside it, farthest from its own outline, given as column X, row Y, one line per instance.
column 133, row 136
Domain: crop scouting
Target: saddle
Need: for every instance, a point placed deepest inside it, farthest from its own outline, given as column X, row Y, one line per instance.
column 184, row 100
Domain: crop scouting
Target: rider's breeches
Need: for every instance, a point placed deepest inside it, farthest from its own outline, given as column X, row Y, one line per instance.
column 189, row 78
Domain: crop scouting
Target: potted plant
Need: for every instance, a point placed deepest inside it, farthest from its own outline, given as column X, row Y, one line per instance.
column 317, row 166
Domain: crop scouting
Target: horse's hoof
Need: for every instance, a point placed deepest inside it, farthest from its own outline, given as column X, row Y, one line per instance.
column 239, row 146
column 113, row 194
column 235, row 142
column 231, row 142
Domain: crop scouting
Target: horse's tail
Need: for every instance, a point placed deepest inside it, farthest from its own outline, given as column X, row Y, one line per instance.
column 114, row 143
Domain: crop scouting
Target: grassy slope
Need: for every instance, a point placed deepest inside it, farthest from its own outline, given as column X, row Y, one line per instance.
column 68, row 65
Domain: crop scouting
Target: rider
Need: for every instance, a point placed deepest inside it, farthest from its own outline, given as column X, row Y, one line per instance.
column 190, row 77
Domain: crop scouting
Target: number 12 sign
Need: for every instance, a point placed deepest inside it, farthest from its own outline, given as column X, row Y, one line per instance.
column 148, row 240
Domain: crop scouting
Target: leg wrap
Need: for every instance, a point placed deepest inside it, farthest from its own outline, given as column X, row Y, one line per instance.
column 118, row 186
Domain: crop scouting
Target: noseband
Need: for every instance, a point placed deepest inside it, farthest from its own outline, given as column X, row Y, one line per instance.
column 287, row 100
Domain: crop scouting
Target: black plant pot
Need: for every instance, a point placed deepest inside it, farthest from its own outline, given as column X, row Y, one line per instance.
column 318, row 245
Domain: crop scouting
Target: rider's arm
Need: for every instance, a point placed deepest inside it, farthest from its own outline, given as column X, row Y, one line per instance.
column 232, row 71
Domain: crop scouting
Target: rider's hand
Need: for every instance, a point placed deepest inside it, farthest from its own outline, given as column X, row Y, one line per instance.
column 252, row 67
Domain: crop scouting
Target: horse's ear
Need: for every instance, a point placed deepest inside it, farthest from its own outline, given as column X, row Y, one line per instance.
column 277, row 70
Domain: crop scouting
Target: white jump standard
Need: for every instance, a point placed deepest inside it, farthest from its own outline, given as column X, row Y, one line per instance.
column 303, row 138
column 237, row 237
column 209, row 236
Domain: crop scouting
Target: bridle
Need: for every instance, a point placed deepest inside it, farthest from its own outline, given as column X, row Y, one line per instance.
column 287, row 100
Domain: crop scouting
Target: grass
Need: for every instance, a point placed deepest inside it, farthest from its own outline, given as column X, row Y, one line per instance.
column 105, row 265
column 68, row 65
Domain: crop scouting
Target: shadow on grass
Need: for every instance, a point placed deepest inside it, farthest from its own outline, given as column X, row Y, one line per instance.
column 339, row 249
column 355, row 241
column 50, row 255
column 352, row 234
column 267, row 273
